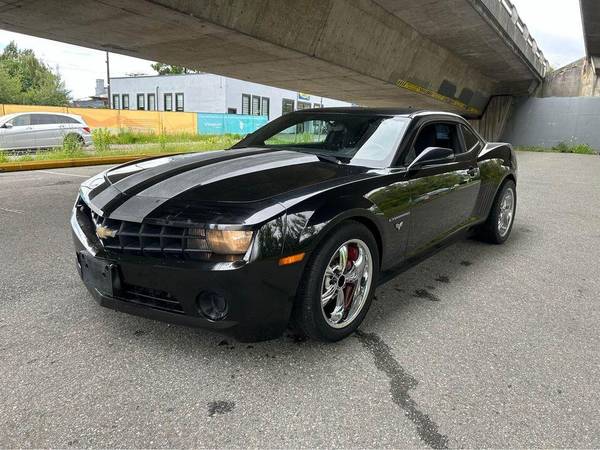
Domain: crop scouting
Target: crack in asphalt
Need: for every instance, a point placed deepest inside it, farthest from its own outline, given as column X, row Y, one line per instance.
column 400, row 383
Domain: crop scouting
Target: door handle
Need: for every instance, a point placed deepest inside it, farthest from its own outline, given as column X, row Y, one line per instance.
column 473, row 171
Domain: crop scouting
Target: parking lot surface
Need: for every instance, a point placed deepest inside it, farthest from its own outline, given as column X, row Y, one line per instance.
column 479, row 346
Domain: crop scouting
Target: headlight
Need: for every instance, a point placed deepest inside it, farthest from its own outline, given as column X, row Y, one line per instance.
column 228, row 242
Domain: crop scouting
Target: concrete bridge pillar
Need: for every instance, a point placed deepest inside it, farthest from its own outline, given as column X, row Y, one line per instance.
column 494, row 119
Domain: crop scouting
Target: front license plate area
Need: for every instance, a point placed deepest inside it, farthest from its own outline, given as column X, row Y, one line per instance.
column 98, row 274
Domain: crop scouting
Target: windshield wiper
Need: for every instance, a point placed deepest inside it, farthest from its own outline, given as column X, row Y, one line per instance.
column 327, row 158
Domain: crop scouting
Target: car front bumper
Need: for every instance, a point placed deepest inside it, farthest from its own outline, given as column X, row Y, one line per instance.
column 259, row 294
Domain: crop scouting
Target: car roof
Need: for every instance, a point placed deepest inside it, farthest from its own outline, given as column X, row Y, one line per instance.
column 55, row 113
column 7, row 117
column 390, row 111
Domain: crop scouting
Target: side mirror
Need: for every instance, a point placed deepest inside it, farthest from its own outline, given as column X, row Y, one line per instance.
column 7, row 125
column 432, row 155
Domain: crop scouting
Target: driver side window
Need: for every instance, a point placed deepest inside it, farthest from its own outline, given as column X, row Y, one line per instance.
column 21, row 121
column 435, row 135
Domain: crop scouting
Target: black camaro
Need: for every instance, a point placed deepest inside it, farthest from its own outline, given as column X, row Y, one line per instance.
column 296, row 224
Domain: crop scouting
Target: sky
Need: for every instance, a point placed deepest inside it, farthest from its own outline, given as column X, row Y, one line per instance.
column 555, row 24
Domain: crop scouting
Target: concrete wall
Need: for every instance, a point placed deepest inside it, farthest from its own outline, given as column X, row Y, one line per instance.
column 546, row 122
column 577, row 79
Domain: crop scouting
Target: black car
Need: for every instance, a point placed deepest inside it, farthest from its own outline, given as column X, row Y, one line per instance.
column 296, row 224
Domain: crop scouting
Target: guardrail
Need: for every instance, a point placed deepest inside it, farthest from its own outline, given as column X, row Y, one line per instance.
column 529, row 40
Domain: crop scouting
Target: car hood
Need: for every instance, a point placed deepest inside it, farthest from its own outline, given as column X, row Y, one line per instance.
column 241, row 186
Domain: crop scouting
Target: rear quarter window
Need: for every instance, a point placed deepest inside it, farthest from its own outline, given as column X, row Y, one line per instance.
column 66, row 119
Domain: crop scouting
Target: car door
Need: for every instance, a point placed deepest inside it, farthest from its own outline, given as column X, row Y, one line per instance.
column 47, row 132
column 19, row 135
column 442, row 195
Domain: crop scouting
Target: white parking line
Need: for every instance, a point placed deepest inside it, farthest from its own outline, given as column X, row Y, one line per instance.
column 64, row 173
column 12, row 211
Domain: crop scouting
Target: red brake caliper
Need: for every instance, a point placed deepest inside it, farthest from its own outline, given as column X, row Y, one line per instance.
column 349, row 288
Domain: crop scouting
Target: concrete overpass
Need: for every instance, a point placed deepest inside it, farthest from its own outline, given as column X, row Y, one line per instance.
column 450, row 54
column 590, row 17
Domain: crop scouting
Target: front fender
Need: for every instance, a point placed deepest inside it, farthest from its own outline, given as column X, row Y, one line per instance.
column 309, row 223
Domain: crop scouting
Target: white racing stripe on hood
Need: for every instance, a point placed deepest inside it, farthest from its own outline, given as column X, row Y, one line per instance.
column 222, row 170
column 141, row 205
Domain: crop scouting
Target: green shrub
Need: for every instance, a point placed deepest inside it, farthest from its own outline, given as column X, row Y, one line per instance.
column 3, row 156
column 72, row 145
column 562, row 147
column 101, row 138
column 583, row 149
column 162, row 140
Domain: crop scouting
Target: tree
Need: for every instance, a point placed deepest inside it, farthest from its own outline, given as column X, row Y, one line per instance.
column 10, row 87
column 166, row 69
column 26, row 79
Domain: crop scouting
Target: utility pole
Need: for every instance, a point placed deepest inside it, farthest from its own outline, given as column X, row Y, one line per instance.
column 108, row 81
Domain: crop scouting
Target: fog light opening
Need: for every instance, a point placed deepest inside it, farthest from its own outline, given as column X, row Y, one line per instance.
column 212, row 305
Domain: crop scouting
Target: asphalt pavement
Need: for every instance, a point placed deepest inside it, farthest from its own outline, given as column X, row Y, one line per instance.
column 479, row 346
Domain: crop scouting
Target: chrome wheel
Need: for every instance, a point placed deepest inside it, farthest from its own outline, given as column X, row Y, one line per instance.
column 346, row 283
column 507, row 211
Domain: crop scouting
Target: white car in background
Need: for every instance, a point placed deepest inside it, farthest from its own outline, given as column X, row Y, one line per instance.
column 32, row 130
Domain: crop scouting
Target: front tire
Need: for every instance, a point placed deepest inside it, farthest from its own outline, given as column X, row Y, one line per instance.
column 499, row 223
column 337, row 288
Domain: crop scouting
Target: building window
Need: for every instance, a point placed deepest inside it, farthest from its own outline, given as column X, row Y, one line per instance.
column 125, row 101
column 168, row 102
column 116, row 104
column 231, row 110
column 255, row 105
column 287, row 106
column 179, row 101
column 141, row 102
column 265, row 106
column 317, row 105
column 245, row 104
column 151, row 102
column 303, row 105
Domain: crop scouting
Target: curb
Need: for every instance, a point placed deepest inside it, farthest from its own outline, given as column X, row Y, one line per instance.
column 78, row 162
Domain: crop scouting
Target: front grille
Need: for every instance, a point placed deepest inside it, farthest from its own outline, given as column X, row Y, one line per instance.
column 152, row 298
column 152, row 240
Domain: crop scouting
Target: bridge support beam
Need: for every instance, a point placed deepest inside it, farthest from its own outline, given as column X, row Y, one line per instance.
column 369, row 52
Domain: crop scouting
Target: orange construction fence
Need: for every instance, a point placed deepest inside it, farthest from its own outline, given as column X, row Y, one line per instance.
column 148, row 121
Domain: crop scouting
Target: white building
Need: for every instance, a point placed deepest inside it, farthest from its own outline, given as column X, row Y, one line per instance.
column 207, row 93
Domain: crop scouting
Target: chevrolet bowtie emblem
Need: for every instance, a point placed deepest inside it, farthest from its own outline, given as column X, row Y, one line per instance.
column 104, row 232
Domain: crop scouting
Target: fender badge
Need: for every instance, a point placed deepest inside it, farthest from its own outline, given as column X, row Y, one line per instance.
column 104, row 232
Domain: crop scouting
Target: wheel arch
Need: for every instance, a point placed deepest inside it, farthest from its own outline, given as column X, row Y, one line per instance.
column 323, row 222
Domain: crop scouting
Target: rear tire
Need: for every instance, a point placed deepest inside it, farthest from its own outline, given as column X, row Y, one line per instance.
column 337, row 288
column 498, row 226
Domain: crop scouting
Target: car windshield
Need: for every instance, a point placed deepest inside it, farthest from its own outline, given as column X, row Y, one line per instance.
column 349, row 138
